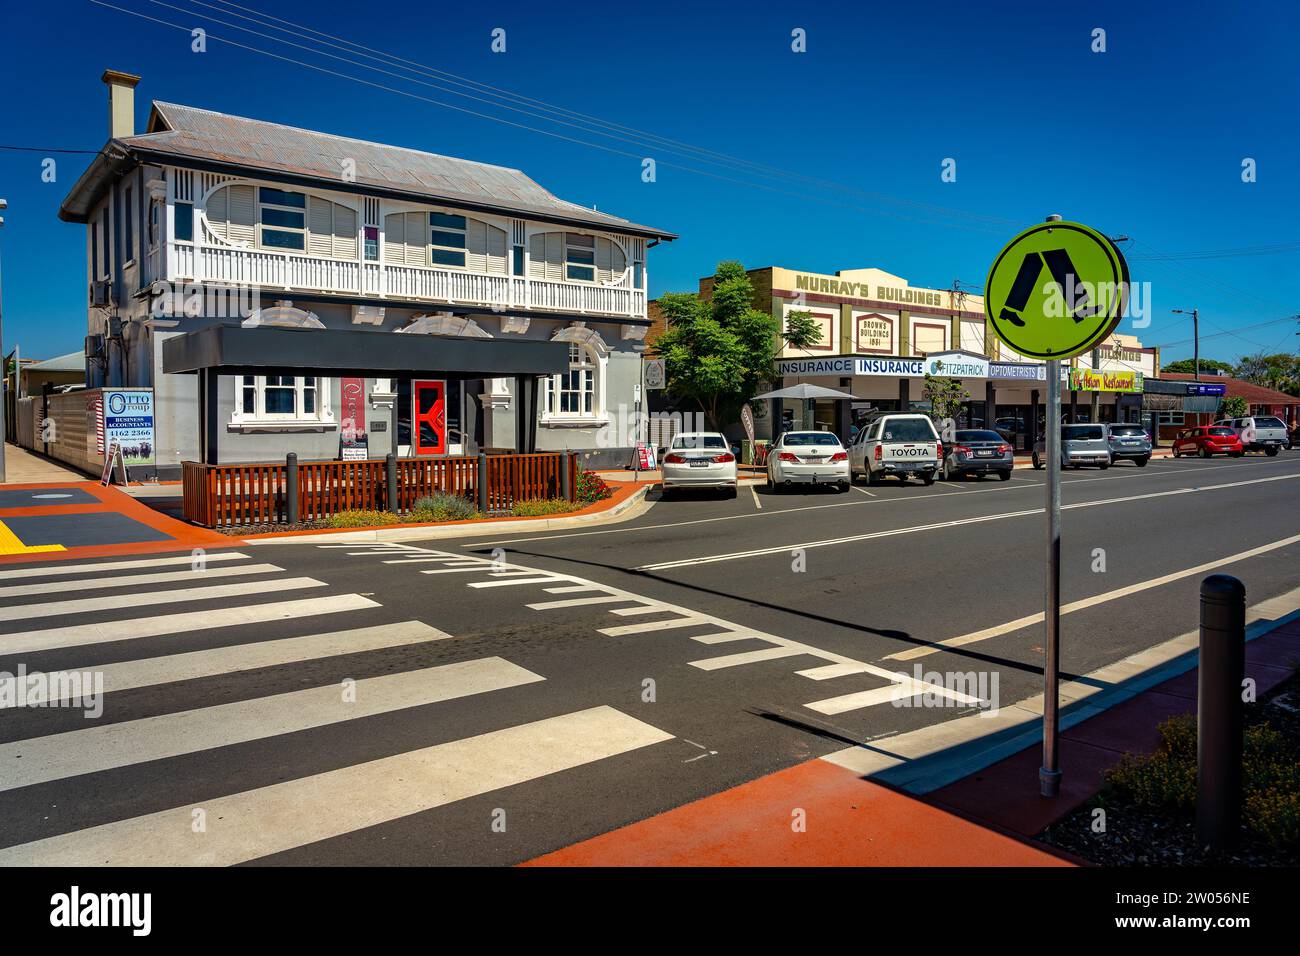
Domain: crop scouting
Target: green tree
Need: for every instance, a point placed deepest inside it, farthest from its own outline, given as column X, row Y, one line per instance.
column 945, row 395
column 1280, row 371
column 1234, row 406
column 718, row 352
column 802, row 331
column 1208, row 366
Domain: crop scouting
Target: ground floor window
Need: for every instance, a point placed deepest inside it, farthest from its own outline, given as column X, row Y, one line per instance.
column 572, row 394
column 1171, row 418
column 281, row 399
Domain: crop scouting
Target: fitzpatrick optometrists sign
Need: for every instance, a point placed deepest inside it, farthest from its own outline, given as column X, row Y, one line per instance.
column 1057, row 290
column 957, row 365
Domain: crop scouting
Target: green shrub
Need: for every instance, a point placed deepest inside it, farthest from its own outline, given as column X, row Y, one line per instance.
column 1166, row 779
column 537, row 507
column 442, row 507
column 360, row 518
column 591, row 487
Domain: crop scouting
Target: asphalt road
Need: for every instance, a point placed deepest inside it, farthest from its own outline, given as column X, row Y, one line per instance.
column 577, row 680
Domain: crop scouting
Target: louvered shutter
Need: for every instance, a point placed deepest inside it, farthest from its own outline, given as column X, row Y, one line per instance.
column 546, row 250
column 242, row 216
column 345, row 232
column 217, row 213
column 395, row 237
column 417, row 239
column 610, row 261
column 476, row 245
column 320, row 226
column 496, row 250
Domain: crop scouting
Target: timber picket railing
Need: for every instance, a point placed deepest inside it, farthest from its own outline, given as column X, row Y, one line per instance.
column 218, row 496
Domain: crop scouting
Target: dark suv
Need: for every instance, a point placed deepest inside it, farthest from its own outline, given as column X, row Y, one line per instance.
column 1129, row 441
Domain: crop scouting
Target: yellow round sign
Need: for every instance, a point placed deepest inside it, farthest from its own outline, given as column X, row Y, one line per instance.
column 1056, row 290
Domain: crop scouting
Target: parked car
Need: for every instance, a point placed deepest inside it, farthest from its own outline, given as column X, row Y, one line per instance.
column 977, row 452
column 1009, row 427
column 1080, row 445
column 1207, row 441
column 1258, row 433
column 1129, row 441
column 811, row 458
column 699, row 460
column 904, row 444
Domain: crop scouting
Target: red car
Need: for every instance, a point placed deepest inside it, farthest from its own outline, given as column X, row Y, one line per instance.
column 1208, row 440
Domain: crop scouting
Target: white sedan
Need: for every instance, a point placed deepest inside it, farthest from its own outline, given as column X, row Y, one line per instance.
column 814, row 458
column 699, row 460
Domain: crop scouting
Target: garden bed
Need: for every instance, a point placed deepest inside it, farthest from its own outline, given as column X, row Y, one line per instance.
column 1149, row 801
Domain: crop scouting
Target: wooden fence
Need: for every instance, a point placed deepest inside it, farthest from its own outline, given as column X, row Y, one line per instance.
column 249, row 494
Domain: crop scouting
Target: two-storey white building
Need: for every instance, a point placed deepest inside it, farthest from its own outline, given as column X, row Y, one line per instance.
column 206, row 219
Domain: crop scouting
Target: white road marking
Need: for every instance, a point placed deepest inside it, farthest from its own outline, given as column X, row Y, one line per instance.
column 830, row 671
column 746, row 657
column 77, row 752
column 272, row 819
column 575, row 602
column 649, row 626
column 853, row 539
column 753, row 490
column 571, row 588
column 87, row 605
column 476, row 567
column 78, row 634
column 1000, row 488
column 132, row 580
column 53, row 570
column 863, row 490
column 724, row 637
column 995, row 631
column 266, row 653
column 509, row 581
column 880, row 695
column 445, row 561
column 639, row 609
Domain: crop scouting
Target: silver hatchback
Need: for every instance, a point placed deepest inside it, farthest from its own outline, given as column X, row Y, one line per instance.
column 1080, row 445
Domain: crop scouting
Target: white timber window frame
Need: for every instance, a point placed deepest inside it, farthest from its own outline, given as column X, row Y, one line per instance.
column 577, row 397
column 280, row 213
column 270, row 402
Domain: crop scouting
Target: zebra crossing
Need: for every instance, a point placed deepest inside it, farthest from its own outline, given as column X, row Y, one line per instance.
column 220, row 625
column 497, row 572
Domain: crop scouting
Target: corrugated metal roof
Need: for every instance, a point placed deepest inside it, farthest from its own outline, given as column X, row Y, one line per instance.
column 185, row 131
column 72, row 362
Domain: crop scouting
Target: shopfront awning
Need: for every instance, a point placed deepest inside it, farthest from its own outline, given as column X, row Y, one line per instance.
column 338, row 353
column 333, row 353
column 804, row 391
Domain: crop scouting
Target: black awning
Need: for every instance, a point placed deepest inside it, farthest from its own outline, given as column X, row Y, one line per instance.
column 234, row 350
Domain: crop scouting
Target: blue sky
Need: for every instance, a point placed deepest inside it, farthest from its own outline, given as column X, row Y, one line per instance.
column 1145, row 140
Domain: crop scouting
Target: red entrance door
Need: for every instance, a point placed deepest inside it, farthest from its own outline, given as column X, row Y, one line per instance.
column 429, row 408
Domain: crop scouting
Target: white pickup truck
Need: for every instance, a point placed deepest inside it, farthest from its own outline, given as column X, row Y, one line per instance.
column 1259, row 433
column 904, row 444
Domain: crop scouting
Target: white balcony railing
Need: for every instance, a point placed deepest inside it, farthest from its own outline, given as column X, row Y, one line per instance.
column 270, row 270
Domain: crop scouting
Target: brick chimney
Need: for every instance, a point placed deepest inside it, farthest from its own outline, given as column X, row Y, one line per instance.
column 121, row 103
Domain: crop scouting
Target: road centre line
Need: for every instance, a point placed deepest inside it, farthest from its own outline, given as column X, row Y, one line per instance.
column 1000, row 487
column 1031, row 619
column 853, row 539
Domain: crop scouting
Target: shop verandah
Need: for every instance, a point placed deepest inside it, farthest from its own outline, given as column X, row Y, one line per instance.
column 1008, row 397
column 218, row 492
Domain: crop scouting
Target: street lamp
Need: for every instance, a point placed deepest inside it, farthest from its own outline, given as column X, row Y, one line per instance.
column 1196, row 338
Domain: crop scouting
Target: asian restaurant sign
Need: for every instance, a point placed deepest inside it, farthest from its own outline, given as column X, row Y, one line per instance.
column 1087, row 380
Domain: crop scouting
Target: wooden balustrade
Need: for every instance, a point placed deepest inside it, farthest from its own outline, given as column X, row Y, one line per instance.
column 256, row 493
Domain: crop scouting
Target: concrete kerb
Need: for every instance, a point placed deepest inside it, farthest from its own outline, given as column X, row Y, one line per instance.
column 632, row 506
column 932, row 757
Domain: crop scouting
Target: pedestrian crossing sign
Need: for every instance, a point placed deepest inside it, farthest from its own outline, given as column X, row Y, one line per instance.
column 1056, row 290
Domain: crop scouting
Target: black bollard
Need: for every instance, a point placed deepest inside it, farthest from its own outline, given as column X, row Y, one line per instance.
column 482, row 482
column 566, row 478
column 291, row 487
column 1219, row 723
column 390, row 479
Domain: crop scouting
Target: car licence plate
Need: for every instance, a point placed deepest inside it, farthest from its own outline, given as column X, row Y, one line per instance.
column 700, row 462
column 985, row 453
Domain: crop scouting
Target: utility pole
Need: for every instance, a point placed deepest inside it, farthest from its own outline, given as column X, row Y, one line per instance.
column 1196, row 339
column 4, row 378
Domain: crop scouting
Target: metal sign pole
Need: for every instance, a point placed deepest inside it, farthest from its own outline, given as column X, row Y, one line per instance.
column 1049, row 775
